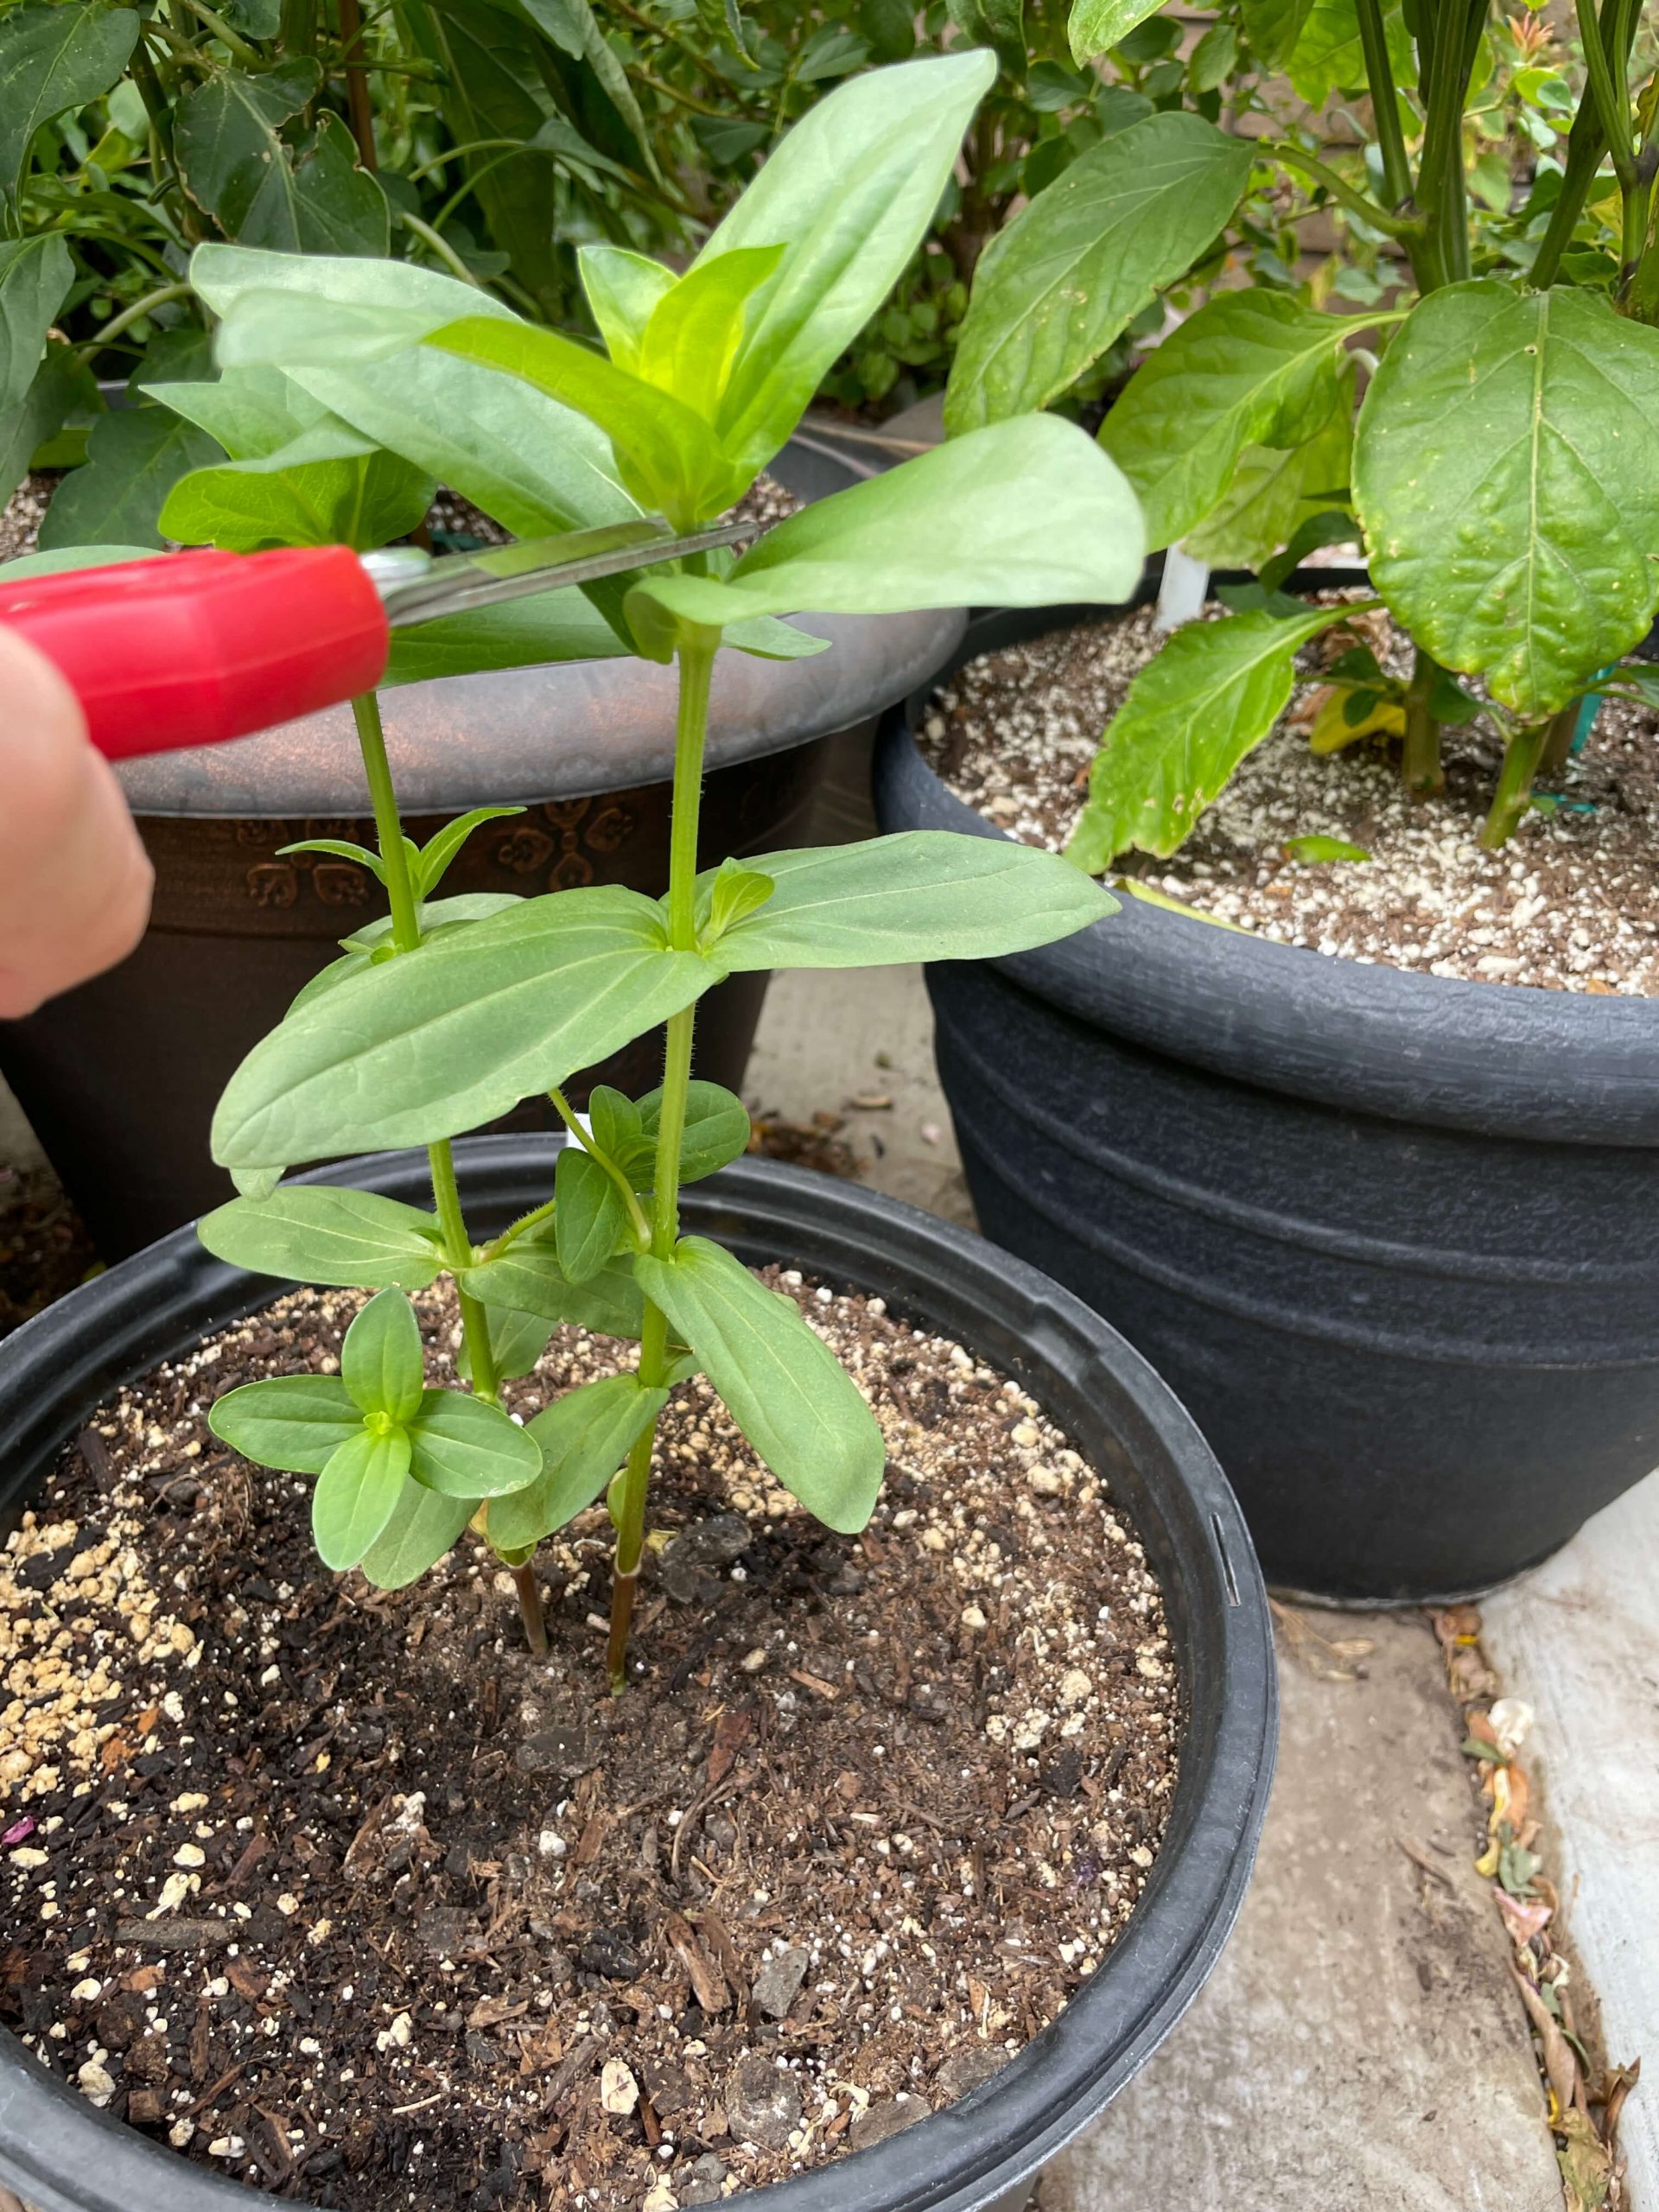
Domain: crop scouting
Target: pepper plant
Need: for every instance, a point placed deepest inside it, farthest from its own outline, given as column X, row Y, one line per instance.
column 1491, row 468
column 430, row 1025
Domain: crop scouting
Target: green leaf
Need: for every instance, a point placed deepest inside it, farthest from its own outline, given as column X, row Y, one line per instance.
column 316, row 1234
column 441, row 1039
column 517, row 1342
column 850, row 193
column 226, row 137
column 424, row 1526
column 1080, row 262
column 1273, row 27
column 465, row 1447
column 535, row 466
column 1511, row 529
column 329, row 487
column 1329, row 55
column 381, row 1362
column 717, row 1129
column 252, row 413
column 295, row 1423
column 573, row 25
column 63, row 386
column 325, row 203
column 591, row 1221
column 439, row 851
column 999, row 24
column 527, row 1279
column 35, row 274
column 622, row 289
column 357, row 1494
column 1095, row 27
column 923, row 894
column 1324, row 848
column 582, row 1437
column 614, row 1119
column 52, row 60
column 1215, row 690
column 437, row 914
column 1252, row 368
column 529, row 632
column 134, row 457
column 1274, row 494
column 784, row 1386
column 1213, row 59
column 1021, row 514
column 733, row 891
column 689, row 343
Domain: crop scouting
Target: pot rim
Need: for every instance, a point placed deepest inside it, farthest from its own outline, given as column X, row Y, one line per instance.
column 1509, row 1060
column 563, row 730
column 153, row 1305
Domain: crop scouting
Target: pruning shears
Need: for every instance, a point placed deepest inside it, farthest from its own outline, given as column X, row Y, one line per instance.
column 196, row 648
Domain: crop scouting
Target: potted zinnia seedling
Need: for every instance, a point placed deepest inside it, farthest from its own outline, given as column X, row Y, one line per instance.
column 565, row 1823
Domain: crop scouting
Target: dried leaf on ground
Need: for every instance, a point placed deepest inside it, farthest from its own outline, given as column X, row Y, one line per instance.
column 1327, row 1659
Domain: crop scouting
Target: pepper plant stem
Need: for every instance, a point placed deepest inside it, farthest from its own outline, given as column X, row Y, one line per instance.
column 1420, row 759
column 1385, row 105
column 1521, row 757
column 691, row 729
column 406, row 936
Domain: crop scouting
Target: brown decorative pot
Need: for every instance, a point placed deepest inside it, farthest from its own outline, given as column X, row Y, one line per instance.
column 119, row 1078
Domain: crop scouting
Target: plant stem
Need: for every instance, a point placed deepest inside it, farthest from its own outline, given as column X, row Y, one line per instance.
column 529, row 1608
column 441, row 246
column 637, row 1220
column 129, row 315
column 1558, row 746
column 1357, row 202
column 1420, row 759
column 1613, row 105
column 1385, row 105
column 359, row 106
column 249, row 55
column 696, row 669
column 406, row 936
column 1521, row 761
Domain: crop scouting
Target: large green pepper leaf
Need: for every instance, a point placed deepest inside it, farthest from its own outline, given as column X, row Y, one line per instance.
column 134, row 457
column 1080, row 261
column 35, row 274
column 52, row 59
column 1504, row 475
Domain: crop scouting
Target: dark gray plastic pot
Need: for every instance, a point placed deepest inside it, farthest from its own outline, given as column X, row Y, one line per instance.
column 1393, row 1238
column 120, row 1078
column 981, row 2155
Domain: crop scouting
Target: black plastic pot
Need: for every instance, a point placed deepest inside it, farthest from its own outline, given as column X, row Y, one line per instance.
column 120, row 1078
column 1393, row 1238
column 63, row 2156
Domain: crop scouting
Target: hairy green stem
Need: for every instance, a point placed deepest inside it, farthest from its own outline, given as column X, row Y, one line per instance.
column 249, row 56
column 691, row 729
column 637, row 1221
column 1521, row 757
column 1420, row 759
column 406, row 936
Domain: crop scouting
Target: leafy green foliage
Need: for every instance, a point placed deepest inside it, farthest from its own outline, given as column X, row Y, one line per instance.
column 716, row 1132
column 319, row 1234
column 382, row 1362
column 583, row 1437
column 466, row 1447
column 922, row 894
column 295, row 1423
column 526, row 1278
column 424, row 1526
column 357, row 1494
column 1191, row 715
column 52, row 59
column 134, row 457
column 1081, row 260
column 781, row 1384
column 36, row 275
column 1508, row 528
column 329, row 487
column 1249, row 369
column 1096, row 26
column 592, row 1222
column 1275, row 494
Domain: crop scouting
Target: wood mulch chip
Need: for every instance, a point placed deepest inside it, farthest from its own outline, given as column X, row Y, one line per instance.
column 346, row 1896
column 1570, row 903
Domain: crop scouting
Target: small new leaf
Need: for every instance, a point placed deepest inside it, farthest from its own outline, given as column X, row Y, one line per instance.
column 381, row 1362
column 357, row 1494
column 591, row 1221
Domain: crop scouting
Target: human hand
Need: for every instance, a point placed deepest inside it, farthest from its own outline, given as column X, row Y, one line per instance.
column 74, row 878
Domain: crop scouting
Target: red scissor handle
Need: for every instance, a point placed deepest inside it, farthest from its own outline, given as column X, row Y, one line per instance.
column 194, row 648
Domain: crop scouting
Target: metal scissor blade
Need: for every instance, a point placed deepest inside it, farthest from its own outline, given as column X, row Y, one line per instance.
column 462, row 581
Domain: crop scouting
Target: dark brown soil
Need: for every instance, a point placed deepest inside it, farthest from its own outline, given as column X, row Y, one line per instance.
column 1571, row 903
column 347, row 1896
column 44, row 1247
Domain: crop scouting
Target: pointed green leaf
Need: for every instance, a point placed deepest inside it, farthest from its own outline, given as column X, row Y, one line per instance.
column 327, row 487
column 1021, row 514
column 357, row 1494
column 1095, row 27
column 1214, row 691
column 1512, row 528
column 63, row 387
column 466, row 1447
column 614, row 1118
column 924, row 894
column 134, row 457
column 1274, row 494
column 35, row 274
column 439, row 851
column 315, row 1234
column 849, row 193
column 717, row 1129
column 733, row 892
column 424, row 1526
column 531, row 633
column 1080, row 262
column 1252, row 368
column 227, row 135
column 383, row 1361
column 440, row 1039
column 695, row 328
column 517, row 1342
column 52, row 59
column 622, row 289
column 781, row 1384
column 295, row 1423
column 592, row 1222
column 582, row 1437
column 1275, row 27
column 527, row 1279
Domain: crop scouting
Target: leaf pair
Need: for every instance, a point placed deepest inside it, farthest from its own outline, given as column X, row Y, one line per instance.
column 370, row 1432
column 442, row 1038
